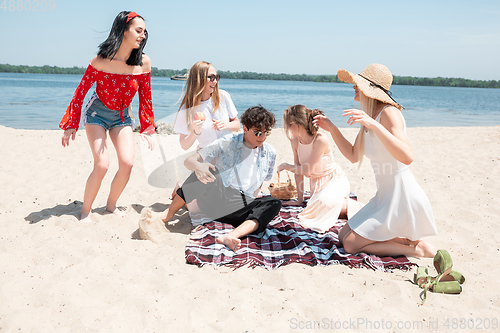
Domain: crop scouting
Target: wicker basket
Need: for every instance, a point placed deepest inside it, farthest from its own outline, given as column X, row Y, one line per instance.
column 283, row 191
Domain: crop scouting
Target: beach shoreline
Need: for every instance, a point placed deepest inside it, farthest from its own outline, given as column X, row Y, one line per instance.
column 59, row 274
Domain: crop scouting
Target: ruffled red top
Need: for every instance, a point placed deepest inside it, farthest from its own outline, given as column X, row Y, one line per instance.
column 116, row 91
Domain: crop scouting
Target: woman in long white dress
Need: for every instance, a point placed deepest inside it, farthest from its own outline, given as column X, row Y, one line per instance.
column 395, row 220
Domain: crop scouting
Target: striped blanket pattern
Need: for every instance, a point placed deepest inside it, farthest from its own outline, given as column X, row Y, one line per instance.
column 283, row 242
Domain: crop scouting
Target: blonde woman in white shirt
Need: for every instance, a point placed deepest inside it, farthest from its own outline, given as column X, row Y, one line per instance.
column 206, row 113
column 203, row 95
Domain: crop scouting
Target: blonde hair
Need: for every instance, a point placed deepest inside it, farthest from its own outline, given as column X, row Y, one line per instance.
column 302, row 116
column 368, row 105
column 196, row 82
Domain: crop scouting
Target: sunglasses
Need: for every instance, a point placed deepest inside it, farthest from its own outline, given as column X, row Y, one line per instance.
column 260, row 133
column 213, row 77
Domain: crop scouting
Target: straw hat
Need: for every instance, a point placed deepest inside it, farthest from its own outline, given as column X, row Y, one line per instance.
column 374, row 81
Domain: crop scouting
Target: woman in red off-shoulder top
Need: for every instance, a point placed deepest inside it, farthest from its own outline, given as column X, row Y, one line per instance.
column 119, row 70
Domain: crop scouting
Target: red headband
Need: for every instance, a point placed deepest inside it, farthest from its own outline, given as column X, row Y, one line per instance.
column 131, row 15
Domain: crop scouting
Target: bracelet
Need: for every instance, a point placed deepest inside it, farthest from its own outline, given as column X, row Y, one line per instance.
column 196, row 133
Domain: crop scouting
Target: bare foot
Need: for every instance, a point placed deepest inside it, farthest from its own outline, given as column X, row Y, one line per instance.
column 427, row 250
column 85, row 217
column 117, row 211
column 230, row 241
column 164, row 216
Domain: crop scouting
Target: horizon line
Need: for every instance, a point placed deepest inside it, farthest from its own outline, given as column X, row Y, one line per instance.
column 235, row 72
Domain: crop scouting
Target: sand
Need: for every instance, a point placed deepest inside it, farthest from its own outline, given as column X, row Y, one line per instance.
column 58, row 274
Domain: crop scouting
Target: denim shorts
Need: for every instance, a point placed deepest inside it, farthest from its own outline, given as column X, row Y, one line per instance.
column 99, row 114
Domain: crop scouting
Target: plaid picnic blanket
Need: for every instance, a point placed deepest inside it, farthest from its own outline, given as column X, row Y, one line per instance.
column 283, row 242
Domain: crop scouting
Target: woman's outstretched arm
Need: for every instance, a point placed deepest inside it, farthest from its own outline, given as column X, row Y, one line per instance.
column 350, row 151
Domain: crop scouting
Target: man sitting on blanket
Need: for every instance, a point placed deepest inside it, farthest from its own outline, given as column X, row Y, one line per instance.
column 228, row 191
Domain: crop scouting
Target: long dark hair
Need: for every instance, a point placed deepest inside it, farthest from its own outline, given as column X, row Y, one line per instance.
column 110, row 46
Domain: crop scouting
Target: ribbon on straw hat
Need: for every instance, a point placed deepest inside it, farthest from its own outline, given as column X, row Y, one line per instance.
column 374, row 81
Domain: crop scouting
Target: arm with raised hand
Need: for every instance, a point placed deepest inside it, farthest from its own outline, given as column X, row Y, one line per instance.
column 350, row 151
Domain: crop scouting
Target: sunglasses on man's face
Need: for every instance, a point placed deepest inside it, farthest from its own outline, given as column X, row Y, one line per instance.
column 213, row 77
column 260, row 133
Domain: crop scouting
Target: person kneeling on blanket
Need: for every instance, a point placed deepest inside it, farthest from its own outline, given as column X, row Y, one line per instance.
column 227, row 178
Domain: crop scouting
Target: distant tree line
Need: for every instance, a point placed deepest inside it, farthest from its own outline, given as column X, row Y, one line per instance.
column 166, row 72
column 444, row 82
column 282, row 77
column 398, row 80
column 6, row 68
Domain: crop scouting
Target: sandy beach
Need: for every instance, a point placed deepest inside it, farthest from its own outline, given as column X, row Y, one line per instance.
column 58, row 274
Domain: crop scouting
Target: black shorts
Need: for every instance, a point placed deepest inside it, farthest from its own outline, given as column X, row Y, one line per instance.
column 228, row 205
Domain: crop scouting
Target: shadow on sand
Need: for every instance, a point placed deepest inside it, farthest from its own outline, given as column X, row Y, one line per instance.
column 73, row 209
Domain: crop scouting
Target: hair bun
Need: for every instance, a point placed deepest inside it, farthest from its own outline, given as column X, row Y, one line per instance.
column 313, row 114
column 316, row 112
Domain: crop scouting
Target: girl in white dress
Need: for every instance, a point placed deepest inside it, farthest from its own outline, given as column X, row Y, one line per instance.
column 395, row 220
column 313, row 158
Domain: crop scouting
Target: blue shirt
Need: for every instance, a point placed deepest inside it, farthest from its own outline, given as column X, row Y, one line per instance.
column 228, row 151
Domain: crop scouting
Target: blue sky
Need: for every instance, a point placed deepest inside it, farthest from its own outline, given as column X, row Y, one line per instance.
column 417, row 38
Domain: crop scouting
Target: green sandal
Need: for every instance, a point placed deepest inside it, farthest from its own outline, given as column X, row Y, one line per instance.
column 423, row 280
column 454, row 276
column 422, row 276
column 447, row 287
column 443, row 264
column 450, row 286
